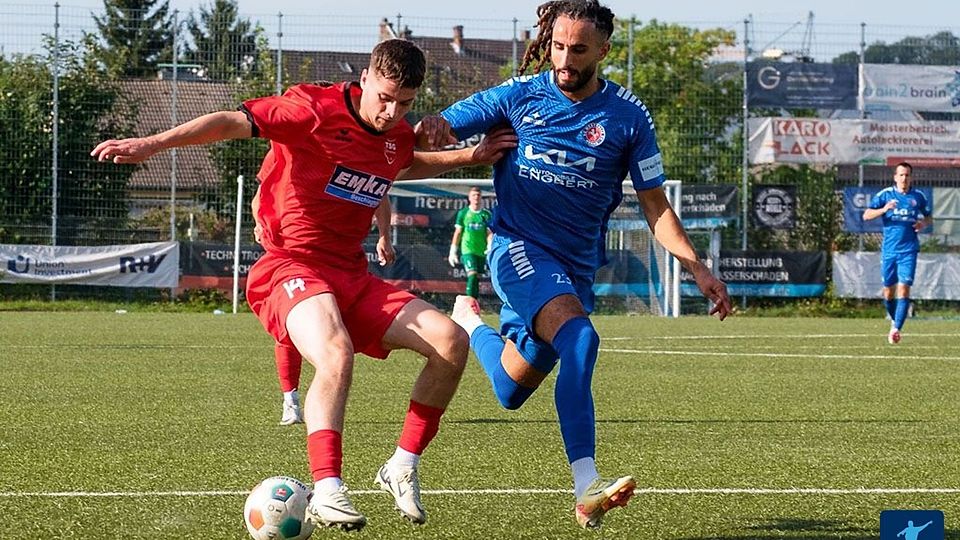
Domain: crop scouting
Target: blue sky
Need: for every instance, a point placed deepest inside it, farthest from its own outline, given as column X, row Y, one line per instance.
column 339, row 25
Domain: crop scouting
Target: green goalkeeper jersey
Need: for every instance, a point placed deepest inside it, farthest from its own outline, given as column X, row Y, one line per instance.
column 473, row 240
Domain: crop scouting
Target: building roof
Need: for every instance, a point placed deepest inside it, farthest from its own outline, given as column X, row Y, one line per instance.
column 154, row 105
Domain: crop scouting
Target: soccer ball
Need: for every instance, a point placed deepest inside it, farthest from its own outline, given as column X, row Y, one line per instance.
column 275, row 508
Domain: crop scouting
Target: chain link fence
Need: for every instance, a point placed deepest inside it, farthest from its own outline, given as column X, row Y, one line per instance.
column 73, row 76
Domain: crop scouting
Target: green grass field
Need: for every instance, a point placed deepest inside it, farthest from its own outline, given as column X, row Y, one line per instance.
column 153, row 425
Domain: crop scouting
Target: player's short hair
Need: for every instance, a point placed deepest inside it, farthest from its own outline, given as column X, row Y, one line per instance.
column 400, row 61
column 903, row 164
column 474, row 188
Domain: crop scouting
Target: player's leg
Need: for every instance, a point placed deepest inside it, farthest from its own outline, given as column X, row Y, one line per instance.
column 394, row 319
column 564, row 323
column 472, row 264
column 317, row 330
column 888, row 275
column 524, row 280
column 288, row 362
column 906, row 270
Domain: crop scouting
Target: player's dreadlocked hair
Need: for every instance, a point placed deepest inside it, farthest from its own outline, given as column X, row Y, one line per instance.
column 547, row 13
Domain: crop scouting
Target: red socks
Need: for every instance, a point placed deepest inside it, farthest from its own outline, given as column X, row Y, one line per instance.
column 325, row 454
column 420, row 427
column 288, row 361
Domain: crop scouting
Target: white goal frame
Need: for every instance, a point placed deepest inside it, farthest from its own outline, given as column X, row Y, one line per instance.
column 670, row 271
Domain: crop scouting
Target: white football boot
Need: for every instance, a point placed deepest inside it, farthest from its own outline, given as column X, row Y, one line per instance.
column 291, row 414
column 404, row 484
column 602, row 495
column 333, row 509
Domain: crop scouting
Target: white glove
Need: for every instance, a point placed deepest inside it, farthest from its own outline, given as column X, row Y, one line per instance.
column 452, row 258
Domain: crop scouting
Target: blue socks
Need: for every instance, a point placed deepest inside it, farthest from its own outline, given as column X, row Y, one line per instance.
column 578, row 344
column 891, row 306
column 488, row 346
column 903, row 306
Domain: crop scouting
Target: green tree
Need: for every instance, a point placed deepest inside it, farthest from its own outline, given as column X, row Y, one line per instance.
column 91, row 203
column 695, row 103
column 940, row 49
column 223, row 43
column 136, row 36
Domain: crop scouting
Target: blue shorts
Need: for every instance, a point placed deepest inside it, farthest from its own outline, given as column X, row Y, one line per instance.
column 898, row 268
column 526, row 277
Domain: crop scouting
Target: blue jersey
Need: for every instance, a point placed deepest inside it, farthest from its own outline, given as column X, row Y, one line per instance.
column 898, row 233
column 558, row 188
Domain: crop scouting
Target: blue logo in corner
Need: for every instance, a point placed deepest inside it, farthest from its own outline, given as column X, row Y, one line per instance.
column 13, row 265
column 911, row 525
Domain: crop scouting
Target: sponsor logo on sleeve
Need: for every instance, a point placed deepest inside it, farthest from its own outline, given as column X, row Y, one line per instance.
column 651, row 168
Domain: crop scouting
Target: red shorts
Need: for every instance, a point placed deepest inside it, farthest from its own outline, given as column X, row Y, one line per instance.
column 368, row 305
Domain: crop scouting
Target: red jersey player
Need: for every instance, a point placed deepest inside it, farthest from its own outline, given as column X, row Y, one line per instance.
column 334, row 152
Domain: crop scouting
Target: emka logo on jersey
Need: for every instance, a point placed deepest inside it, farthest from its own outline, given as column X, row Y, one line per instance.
column 390, row 150
column 594, row 134
column 357, row 186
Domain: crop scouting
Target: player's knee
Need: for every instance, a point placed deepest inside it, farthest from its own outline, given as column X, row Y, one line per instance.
column 453, row 345
column 513, row 398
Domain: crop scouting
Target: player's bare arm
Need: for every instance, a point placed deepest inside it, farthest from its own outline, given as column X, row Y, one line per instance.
column 255, row 209
column 385, row 252
column 668, row 230
column 873, row 213
column 213, row 127
column 492, row 147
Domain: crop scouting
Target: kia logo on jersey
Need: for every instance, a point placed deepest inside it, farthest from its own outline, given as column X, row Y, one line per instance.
column 594, row 134
column 357, row 186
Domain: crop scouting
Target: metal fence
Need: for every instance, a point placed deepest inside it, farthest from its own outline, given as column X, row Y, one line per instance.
column 72, row 76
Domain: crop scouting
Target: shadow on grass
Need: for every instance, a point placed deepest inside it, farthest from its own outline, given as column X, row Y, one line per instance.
column 808, row 529
column 691, row 421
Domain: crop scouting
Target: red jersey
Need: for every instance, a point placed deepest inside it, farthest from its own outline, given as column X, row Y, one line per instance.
column 325, row 173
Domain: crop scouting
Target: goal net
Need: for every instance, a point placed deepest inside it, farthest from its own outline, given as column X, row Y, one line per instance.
column 642, row 277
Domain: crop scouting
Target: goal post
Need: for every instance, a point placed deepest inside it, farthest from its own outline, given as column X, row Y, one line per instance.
column 642, row 275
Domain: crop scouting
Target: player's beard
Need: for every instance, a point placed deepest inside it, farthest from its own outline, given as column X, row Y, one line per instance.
column 578, row 79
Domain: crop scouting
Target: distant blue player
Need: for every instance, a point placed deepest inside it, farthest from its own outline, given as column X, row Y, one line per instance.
column 578, row 138
column 905, row 211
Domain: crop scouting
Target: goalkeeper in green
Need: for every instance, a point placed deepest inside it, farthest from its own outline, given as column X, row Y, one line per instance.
column 471, row 237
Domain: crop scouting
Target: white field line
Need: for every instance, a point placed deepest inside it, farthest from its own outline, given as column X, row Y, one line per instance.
column 767, row 336
column 778, row 355
column 529, row 491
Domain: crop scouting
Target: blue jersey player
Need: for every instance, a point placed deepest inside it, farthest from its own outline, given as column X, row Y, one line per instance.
column 905, row 211
column 578, row 138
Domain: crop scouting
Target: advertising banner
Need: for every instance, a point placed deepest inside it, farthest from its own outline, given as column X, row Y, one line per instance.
column 419, row 205
column 801, row 86
column 708, row 206
column 818, row 140
column 767, row 273
column 774, row 207
column 857, row 275
column 134, row 265
column 902, row 87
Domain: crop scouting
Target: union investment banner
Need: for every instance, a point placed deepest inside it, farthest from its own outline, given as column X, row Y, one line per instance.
column 898, row 87
column 134, row 265
column 817, row 140
column 801, row 86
